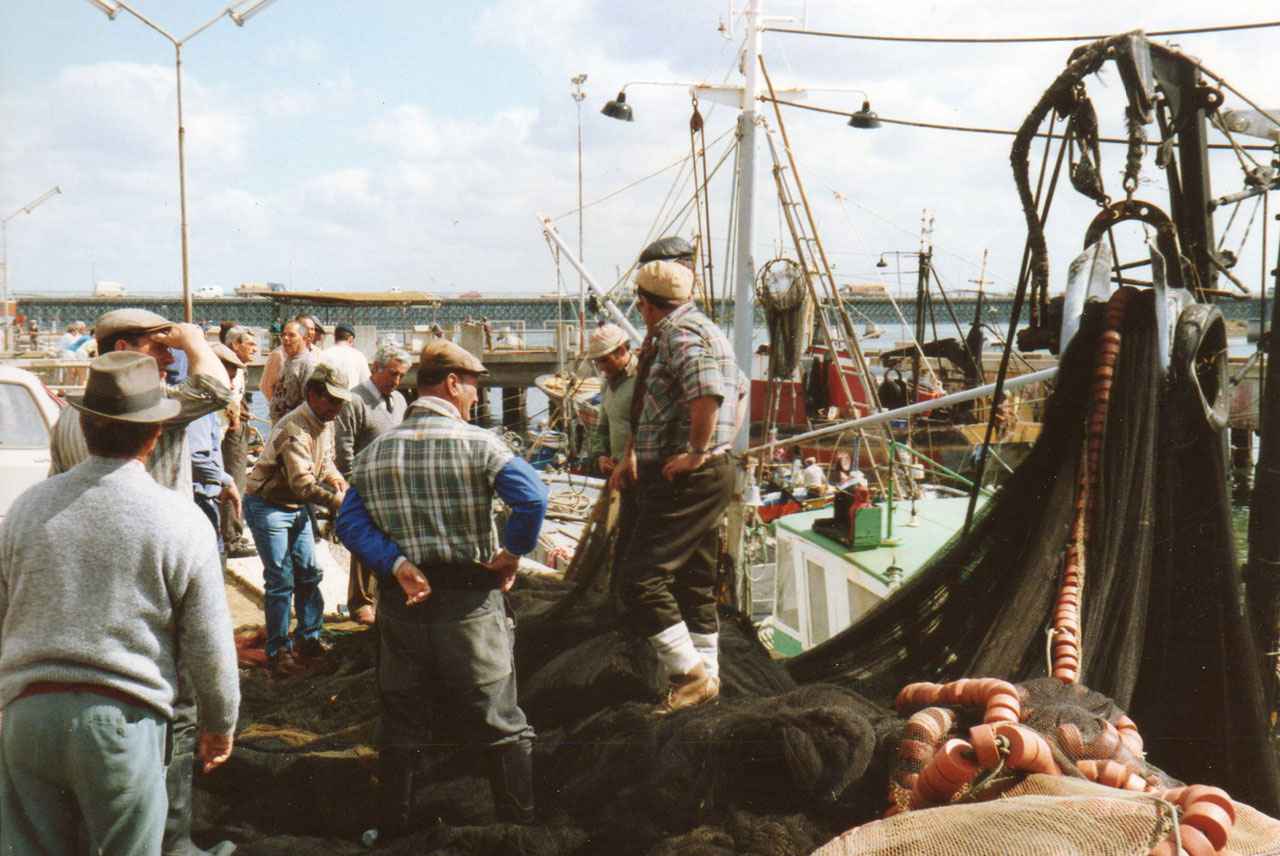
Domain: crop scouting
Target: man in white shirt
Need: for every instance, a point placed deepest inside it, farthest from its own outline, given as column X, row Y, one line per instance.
column 344, row 355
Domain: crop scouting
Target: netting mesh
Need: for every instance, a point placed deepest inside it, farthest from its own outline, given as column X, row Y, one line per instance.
column 1042, row 816
column 1163, row 631
column 783, row 291
column 794, row 754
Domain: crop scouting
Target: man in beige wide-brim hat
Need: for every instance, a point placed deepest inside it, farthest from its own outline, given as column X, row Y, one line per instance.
column 114, row 589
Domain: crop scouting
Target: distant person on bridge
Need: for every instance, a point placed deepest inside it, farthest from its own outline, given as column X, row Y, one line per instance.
column 343, row 354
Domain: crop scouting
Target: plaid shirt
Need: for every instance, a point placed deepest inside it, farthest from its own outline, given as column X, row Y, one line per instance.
column 428, row 483
column 692, row 358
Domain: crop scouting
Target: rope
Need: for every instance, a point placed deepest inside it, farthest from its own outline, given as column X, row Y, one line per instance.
column 1001, row 131
column 1014, row 40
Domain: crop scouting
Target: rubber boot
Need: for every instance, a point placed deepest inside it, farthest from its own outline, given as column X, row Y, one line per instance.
column 177, row 825
column 396, row 766
column 511, row 780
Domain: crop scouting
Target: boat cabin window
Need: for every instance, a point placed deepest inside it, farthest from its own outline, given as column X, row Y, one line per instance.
column 819, row 623
column 21, row 424
column 788, row 606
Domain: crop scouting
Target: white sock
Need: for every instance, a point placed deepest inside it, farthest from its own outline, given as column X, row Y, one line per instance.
column 708, row 647
column 675, row 649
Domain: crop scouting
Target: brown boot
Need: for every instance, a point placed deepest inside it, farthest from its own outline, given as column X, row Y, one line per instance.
column 687, row 690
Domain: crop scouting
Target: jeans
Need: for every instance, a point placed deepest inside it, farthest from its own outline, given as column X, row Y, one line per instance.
column 288, row 552
column 80, row 768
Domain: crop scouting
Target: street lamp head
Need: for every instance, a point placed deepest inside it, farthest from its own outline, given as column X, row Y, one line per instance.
column 619, row 108
column 106, row 7
column 865, row 118
column 882, row 263
column 244, row 14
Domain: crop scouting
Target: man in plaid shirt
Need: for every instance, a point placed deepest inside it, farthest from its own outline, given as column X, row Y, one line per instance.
column 686, row 414
column 420, row 512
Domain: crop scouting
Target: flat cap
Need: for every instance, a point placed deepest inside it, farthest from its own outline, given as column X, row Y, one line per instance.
column 669, row 280
column 129, row 321
column 345, row 328
column 442, row 355
column 227, row 355
column 667, row 249
column 333, row 378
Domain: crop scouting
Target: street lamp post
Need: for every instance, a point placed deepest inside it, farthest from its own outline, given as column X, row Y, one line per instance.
column 238, row 12
column 5, row 318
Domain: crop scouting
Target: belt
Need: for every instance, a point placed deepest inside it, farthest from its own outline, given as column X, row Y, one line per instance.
column 467, row 576
column 42, row 687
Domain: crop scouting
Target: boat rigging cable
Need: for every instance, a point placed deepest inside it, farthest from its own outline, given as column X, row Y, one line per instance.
column 1013, row 40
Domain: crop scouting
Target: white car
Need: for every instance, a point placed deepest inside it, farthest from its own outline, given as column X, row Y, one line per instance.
column 28, row 411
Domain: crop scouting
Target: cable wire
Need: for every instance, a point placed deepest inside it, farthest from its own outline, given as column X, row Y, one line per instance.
column 1013, row 40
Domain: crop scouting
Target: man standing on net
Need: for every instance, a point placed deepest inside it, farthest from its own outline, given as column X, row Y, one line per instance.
column 686, row 413
column 420, row 513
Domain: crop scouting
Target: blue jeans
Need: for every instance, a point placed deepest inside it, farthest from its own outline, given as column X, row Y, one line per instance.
column 78, row 768
column 288, row 552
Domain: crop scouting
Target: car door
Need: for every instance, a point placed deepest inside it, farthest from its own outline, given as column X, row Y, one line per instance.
column 24, row 441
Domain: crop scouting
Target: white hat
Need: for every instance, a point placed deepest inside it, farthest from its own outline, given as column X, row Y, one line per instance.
column 606, row 339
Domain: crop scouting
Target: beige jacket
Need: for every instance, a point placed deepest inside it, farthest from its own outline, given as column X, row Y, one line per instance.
column 295, row 461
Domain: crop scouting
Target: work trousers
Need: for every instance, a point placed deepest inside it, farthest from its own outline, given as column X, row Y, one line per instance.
column 669, row 570
column 235, row 460
column 361, row 586
column 446, row 670
column 79, row 768
column 289, row 570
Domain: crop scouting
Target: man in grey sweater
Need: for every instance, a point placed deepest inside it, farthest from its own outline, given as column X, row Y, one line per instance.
column 376, row 406
column 108, row 589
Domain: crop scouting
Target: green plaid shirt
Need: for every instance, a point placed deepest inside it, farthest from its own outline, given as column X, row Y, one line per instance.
column 428, row 484
column 692, row 358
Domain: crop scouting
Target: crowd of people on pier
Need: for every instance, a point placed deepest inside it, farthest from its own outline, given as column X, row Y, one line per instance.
column 118, row 669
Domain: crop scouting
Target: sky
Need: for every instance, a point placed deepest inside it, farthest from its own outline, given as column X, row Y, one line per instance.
column 335, row 145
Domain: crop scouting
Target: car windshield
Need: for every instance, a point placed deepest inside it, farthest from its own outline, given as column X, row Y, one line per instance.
column 20, row 421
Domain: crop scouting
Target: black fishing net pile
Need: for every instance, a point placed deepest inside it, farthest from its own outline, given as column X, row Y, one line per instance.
column 794, row 754
column 1164, row 632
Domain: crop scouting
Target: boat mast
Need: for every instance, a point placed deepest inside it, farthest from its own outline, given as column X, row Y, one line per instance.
column 745, row 238
column 744, row 279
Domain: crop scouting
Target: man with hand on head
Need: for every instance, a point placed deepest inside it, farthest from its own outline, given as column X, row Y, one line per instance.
column 205, row 390
column 420, row 513
column 109, row 589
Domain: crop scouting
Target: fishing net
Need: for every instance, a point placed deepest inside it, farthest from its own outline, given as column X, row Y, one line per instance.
column 1163, row 629
column 794, row 754
column 783, row 290
column 1043, row 816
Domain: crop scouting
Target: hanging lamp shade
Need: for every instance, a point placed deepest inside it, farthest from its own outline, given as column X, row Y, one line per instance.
column 864, row 118
column 618, row 108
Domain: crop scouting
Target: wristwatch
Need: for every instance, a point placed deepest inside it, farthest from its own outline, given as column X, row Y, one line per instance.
column 694, row 451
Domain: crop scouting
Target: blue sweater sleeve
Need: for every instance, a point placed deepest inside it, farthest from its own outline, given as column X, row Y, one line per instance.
column 525, row 494
column 368, row 543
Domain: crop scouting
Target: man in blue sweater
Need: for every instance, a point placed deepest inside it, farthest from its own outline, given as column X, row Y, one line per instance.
column 419, row 512
column 110, row 587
